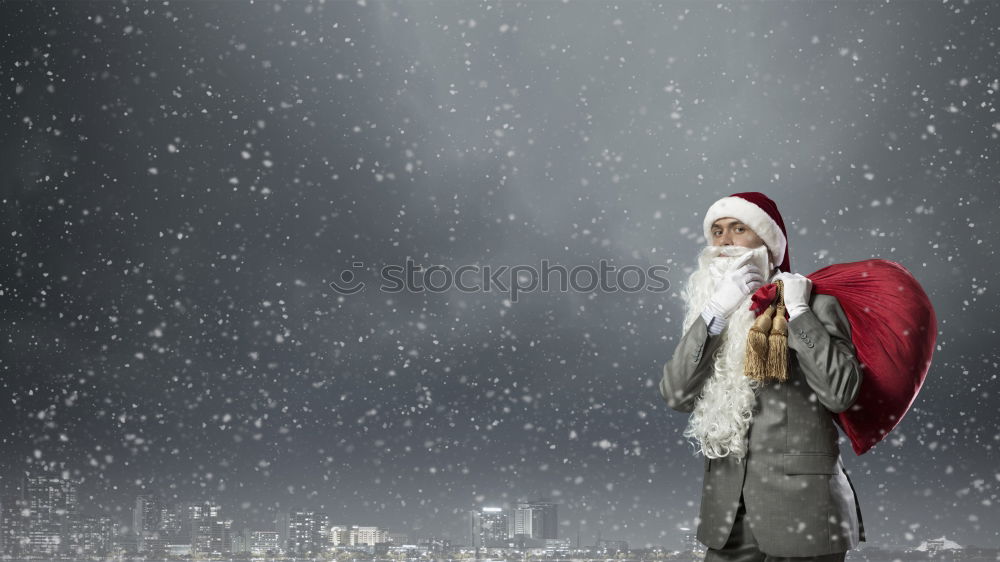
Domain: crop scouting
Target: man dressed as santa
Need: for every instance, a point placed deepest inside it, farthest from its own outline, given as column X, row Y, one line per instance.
column 775, row 485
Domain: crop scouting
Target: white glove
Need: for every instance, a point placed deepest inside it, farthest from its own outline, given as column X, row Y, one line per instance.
column 796, row 289
column 740, row 280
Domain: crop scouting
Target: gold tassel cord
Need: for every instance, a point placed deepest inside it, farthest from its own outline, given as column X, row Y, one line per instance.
column 767, row 343
column 777, row 341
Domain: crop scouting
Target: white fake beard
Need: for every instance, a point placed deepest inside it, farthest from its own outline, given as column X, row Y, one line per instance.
column 722, row 414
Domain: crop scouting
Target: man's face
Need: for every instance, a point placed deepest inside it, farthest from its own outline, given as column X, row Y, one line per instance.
column 728, row 231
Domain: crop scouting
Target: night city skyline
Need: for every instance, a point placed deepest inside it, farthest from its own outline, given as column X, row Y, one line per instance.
column 47, row 519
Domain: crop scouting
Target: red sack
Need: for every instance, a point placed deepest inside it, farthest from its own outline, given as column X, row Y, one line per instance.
column 893, row 328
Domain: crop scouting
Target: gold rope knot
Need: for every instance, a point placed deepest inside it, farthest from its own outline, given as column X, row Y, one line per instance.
column 767, row 342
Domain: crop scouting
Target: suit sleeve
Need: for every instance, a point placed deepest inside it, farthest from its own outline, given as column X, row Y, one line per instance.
column 821, row 339
column 686, row 373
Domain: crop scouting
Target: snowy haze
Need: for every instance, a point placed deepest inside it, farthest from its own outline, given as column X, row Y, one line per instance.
column 181, row 182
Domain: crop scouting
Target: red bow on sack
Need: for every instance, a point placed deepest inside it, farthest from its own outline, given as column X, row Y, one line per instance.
column 893, row 329
column 763, row 298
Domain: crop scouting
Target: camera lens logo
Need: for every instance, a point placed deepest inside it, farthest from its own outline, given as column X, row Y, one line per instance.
column 346, row 285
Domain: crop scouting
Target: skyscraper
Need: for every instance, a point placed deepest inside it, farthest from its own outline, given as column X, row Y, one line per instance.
column 210, row 532
column 13, row 526
column 146, row 520
column 52, row 511
column 537, row 519
column 489, row 527
column 307, row 533
column 545, row 517
column 173, row 529
column 282, row 523
column 92, row 537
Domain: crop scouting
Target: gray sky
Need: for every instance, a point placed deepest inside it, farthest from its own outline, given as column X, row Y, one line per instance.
column 182, row 181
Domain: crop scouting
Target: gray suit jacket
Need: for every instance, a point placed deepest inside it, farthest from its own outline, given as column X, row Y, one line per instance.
column 798, row 497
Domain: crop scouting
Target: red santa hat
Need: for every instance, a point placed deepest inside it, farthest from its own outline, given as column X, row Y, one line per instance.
column 757, row 211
